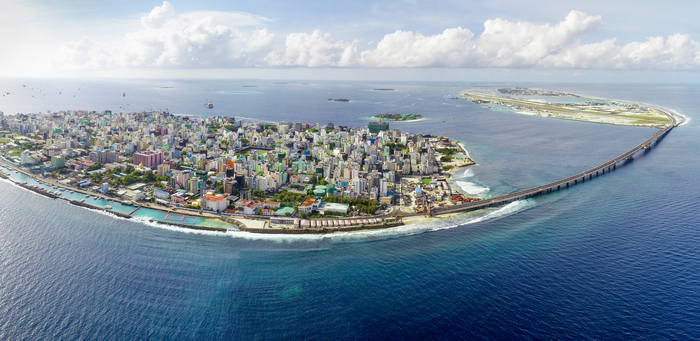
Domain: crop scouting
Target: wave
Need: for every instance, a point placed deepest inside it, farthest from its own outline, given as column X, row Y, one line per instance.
column 468, row 173
column 472, row 188
column 464, row 148
column 686, row 118
column 434, row 225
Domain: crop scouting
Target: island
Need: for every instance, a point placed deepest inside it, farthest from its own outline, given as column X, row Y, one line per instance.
column 224, row 175
column 339, row 100
column 567, row 106
column 398, row 117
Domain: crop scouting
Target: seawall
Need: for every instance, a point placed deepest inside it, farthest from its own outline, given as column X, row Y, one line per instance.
column 323, row 230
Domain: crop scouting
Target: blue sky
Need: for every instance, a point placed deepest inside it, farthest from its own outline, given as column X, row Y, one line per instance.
column 421, row 40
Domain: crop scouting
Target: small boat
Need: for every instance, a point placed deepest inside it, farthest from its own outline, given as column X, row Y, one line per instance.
column 25, row 182
column 124, row 94
column 208, row 105
column 72, row 192
column 82, row 200
column 109, row 207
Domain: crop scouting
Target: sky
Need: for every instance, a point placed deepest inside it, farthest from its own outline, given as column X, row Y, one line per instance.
column 494, row 40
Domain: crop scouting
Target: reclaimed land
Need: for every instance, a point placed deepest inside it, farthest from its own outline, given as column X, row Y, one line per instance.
column 593, row 110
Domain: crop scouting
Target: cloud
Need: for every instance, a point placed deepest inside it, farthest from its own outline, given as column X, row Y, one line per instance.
column 509, row 44
column 258, row 40
column 315, row 49
column 203, row 39
column 451, row 48
column 84, row 53
column 506, row 44
column 211, row 39
column 158, row 16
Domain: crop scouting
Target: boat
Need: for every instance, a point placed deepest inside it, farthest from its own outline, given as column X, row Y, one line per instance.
column 208, row 105
column 82, row 200
column 109, row 207
column 72, row 192
column 124, row 94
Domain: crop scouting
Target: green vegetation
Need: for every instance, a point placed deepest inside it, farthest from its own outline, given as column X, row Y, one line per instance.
column 446, row 168
column 94, row 167
column 316, row 214
column 368, row 206
column 399, row 117
column 447, row 151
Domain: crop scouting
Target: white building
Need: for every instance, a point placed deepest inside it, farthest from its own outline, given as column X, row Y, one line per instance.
column 215, row 202
column 26, row 159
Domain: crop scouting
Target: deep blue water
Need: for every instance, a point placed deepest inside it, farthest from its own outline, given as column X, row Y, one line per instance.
column 614, row 258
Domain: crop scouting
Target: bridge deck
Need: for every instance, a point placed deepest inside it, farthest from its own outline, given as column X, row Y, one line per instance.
column 560, row 184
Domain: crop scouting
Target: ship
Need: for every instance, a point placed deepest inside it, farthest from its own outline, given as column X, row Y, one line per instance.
column 124, row 94
column 208, row 105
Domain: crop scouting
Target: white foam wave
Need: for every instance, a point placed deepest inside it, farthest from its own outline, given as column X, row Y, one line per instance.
column 468, row 173
column 466, row 152
column 434, row 225
column 686, row 118
column 472, row 188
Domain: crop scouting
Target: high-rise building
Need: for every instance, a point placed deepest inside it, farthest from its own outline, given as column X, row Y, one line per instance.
column 163, row 169
column 58, row 161
column 148, row 158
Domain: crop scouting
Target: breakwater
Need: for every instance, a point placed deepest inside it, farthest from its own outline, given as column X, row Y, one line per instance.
column 322, row 230
column 38, row 190
column 82, row 204
column 194, row 227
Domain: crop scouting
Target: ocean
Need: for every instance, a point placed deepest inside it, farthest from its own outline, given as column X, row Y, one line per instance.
column 614, row 258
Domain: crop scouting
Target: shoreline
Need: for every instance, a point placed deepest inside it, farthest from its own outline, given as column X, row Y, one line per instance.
column 231, row 220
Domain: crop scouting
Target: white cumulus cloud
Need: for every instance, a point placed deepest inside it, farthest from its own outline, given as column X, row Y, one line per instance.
column 211, row 39
column 451, row 48
column 315, row 49
column 158, row 16
column 204, row 39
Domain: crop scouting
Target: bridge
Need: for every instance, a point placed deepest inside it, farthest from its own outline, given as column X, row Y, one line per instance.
column 560, row 184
